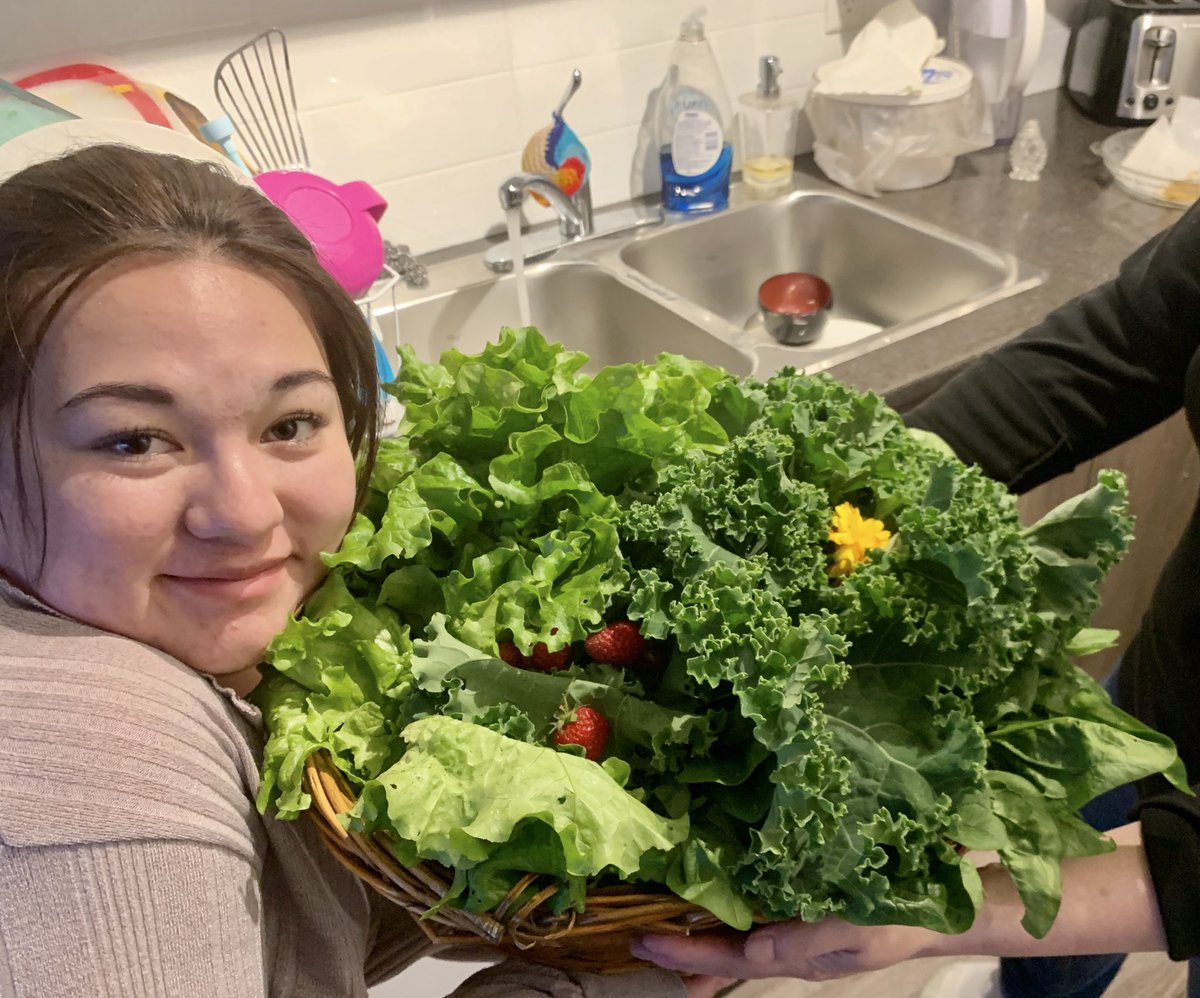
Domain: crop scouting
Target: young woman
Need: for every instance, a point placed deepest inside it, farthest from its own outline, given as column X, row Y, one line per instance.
column 183, row 394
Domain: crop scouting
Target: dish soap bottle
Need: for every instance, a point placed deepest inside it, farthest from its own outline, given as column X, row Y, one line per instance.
column 768, row 132
column 693, row 127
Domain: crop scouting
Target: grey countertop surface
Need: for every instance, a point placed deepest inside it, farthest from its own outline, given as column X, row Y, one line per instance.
column 1074, row 223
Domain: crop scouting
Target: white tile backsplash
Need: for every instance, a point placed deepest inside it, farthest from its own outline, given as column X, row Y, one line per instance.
column 432, row 100
column 416, row 131
column 445, row 207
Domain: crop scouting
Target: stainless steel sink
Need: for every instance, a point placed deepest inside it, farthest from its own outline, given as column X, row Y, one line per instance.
column 691, row 287
column 890, row 275
column 581, row 305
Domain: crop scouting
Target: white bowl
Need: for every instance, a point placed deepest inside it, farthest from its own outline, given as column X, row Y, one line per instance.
column 1173, row 192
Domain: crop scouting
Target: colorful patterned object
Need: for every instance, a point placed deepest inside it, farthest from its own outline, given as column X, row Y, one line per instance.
column 556, row 152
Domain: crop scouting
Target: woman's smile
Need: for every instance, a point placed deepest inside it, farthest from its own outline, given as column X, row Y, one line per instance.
column 233, row 584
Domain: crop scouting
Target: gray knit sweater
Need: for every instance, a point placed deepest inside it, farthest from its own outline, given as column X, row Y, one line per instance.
column 133, row 862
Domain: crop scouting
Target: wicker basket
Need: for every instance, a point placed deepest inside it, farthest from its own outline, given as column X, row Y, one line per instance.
column 595, row 940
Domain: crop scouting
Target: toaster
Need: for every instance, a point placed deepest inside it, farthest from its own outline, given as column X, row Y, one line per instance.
column 1128, row 61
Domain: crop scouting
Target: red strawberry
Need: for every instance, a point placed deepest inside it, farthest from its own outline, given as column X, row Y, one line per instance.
column 586, row 727
column 550, row 661
column 511, row 654
column 620, row 644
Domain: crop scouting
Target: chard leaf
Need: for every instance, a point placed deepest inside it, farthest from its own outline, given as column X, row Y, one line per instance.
column 459, row 790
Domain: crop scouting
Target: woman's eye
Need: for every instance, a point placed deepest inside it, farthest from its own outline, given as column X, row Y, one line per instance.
column 296, row 428
column 136, row 444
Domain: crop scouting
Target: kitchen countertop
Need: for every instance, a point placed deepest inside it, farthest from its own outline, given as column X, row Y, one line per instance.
column 1074, row 223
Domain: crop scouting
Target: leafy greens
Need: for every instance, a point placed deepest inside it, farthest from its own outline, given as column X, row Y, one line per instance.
column 813, row 745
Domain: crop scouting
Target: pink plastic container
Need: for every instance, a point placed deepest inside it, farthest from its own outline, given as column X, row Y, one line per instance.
column 340, row 221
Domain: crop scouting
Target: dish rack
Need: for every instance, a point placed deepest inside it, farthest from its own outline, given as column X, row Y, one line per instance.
column 255, row 88
column 382, row 296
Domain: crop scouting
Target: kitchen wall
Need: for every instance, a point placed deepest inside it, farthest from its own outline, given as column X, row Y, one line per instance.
column 432, row 100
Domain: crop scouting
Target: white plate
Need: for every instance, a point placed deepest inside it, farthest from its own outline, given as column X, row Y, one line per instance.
column 62, row 137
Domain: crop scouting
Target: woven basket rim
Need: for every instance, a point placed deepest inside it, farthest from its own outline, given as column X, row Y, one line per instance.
column 617, row 911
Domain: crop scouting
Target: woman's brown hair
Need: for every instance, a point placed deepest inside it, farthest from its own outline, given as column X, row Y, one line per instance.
column 63, row 220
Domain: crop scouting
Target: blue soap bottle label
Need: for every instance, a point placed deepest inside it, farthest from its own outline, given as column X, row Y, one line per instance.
column 696, row 193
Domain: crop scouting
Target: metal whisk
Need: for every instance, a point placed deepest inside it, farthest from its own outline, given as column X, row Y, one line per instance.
column 254, row 87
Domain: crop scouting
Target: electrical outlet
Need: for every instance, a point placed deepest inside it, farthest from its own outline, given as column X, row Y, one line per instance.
column 846, row 17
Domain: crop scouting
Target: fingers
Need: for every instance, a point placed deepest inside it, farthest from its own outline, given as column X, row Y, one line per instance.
column 711, row 954
column 812, row 952
column 816, row 951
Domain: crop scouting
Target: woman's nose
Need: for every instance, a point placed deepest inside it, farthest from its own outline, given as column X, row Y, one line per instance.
column 234, row 499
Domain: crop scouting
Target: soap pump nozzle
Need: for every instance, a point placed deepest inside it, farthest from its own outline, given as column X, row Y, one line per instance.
column 768, row 76
column 692, row 29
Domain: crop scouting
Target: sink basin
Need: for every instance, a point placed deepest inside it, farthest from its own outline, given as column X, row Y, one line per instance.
column 578, row 304
column 691, row 287
column 890, row 275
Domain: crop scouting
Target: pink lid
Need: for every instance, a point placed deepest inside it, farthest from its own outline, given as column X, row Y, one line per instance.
column 339, row 221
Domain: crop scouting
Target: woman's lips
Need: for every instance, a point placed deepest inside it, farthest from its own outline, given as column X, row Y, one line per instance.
column 233, row 584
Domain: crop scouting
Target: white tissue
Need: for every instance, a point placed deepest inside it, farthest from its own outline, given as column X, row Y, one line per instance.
column 1170, row 148
column 886, row 57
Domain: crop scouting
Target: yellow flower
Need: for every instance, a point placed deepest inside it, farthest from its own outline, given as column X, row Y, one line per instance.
column 854, row 537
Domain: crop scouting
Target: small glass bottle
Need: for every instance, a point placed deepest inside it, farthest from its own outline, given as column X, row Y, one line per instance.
column 768, row 133
column 1027, row 155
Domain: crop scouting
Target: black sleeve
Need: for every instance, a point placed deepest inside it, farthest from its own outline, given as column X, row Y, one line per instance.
column 1171, row 838
column 1096, row 372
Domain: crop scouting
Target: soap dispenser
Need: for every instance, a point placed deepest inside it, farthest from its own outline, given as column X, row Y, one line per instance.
column 768, row 132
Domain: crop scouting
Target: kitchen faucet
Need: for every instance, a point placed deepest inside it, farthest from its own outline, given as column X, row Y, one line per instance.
column 575, row 222
column 574, row 217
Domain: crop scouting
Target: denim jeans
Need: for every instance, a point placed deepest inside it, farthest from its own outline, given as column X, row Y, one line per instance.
column 1082, row 976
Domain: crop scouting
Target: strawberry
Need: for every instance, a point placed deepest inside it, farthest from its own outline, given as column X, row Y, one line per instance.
column 550, row 661
column 511, row 654
column 585, row 726
column 620, row 644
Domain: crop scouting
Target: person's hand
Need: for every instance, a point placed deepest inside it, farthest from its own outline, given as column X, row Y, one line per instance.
column 817, row 951
column 704, row 986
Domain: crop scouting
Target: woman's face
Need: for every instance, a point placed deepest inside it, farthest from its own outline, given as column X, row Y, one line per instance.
column 193, row 462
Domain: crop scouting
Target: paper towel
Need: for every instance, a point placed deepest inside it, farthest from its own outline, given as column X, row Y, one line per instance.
column 886, row 57
column 1170, row 148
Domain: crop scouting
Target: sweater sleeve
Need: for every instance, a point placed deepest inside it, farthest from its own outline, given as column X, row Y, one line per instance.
column 131, row 857
column 148, row 919
column 1096, row 372
column 396, row 939
column 1171, row 838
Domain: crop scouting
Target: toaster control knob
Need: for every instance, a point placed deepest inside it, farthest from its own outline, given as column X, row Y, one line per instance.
column 1150, row 102
column 1159, row 37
